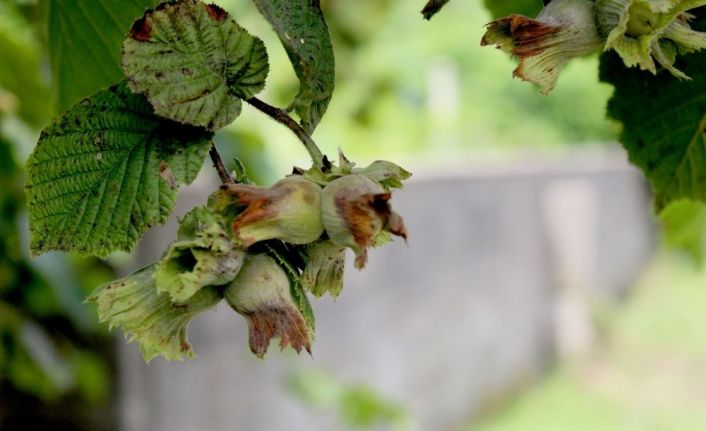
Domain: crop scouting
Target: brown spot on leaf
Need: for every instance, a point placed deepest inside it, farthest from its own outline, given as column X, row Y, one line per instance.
column 216, row 12
column 141, row 29
column 167, row 175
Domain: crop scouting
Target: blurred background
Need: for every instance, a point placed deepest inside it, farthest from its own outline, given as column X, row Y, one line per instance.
column 535, row 292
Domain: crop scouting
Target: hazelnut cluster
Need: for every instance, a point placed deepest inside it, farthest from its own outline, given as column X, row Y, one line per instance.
column 261, row 249
column 644, row 33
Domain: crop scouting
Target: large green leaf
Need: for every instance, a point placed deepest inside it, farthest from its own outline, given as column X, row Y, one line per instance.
column 301, row 27
column 194, row 63
column 106, row 171
column 664, row 121
column 500, row 8
column 84, row 38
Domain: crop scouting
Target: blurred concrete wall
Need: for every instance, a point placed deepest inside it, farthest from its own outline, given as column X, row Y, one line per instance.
column 497, row 278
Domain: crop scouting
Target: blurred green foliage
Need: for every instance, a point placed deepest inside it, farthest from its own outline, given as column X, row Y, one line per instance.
column 54, row 359
column 424, row 92
column 646, row 373
column 358, row 406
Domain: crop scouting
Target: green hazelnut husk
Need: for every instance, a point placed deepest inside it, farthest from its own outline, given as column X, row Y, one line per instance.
column 355, row 210
column 564, row 30
column 261, row 292
column 290, row 211
column 324, row 269
column 149, row 317
column 646, row 32
column 204, row 255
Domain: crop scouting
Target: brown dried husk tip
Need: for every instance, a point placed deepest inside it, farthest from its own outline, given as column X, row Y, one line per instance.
column 565, row 29
column 289, row 211
column 261, row 293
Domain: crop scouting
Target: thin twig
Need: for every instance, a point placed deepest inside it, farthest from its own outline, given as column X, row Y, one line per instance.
column 433, row 7
column 282, row 117
column 223, row 173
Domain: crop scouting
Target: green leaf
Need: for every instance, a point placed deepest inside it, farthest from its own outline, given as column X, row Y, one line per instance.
column 149, row 317
column 106, row 171
column 84, row 38
column 664, row 125
column 194, row 63
column 684, row 225
column 388, row 174
column 301, row 27
column 529, row 8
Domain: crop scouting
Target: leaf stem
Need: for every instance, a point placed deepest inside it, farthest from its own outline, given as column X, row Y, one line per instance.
column 223, row 173
column 281, row 116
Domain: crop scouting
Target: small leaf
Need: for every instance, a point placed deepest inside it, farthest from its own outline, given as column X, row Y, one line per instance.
column 287, row 258
column 664, row 125
column 194, row 63
column 96, row 178
column 388, row 174
column 149, row 317
column 301, row 27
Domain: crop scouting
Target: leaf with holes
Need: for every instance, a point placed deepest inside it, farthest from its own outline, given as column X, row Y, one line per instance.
column 106, row 171
column 301, row 27
column 194, row 63
column 664, row 125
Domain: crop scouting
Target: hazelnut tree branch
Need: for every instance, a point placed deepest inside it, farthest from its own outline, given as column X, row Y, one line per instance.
column 223, row 173
column 281, row 116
